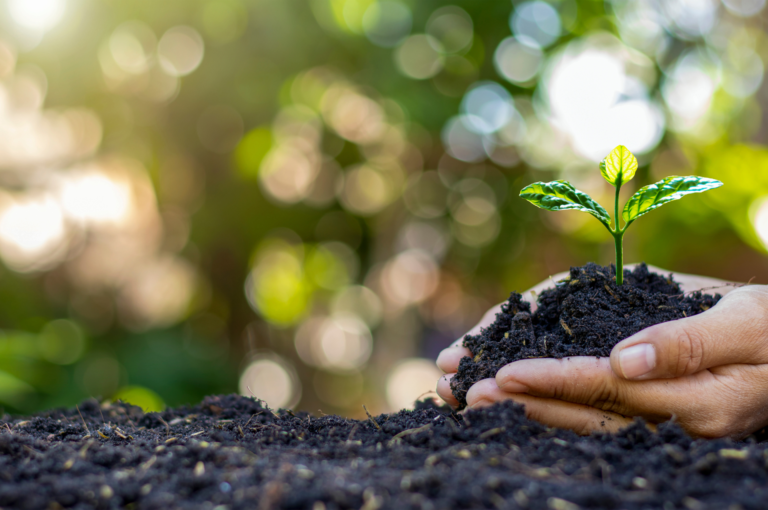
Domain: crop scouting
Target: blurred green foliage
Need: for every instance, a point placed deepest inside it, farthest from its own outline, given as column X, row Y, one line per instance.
column 328, row 187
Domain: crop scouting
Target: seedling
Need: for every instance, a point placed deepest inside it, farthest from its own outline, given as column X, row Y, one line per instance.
column 618, row 168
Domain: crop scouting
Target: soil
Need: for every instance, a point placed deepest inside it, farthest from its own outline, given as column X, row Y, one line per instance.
column 585, row 314
column 231, row 452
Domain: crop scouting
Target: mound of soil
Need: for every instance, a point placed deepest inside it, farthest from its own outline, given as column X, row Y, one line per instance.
column 231, row 452
column 585, row 314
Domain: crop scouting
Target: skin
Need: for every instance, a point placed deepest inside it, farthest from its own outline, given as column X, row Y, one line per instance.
column 708, row 372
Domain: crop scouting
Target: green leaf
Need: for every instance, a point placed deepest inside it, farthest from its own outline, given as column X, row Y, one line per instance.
column 619, row 166
column 562, row 196
column 672, row 188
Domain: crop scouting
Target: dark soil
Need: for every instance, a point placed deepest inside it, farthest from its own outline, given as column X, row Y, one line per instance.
column 230, row 452
column 584, row 315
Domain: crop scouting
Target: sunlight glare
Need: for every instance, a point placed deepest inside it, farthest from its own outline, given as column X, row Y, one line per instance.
column 95, row 198
column 272, row 380
column 600, row 114
column 410, row 380
column 180, row 50
column 32, row 233
column 32, row 225
column 38, row 15
column 759, row 216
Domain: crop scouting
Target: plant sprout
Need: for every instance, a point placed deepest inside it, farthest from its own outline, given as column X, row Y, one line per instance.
column 618, row 168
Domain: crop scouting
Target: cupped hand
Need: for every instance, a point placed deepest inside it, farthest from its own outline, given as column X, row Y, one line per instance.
column 710, row 372
column 449, row 358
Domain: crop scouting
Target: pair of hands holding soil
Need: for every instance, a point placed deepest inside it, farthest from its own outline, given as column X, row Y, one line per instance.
column 709, row 372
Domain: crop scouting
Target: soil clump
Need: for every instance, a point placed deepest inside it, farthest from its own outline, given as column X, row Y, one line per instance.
column 586, row 314
column 231, row 452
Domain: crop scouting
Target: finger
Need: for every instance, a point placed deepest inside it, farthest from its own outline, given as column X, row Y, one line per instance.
column 732, row 332
column 591, row 382
column 449, row 358
column 722, row 401
column 444, row 390
column 555, row 413
column 693, row 282
column 485, row 392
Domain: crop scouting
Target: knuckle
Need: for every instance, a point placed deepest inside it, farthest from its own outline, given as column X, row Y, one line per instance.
column 713, row 427
column 725, row 419
column 605, row 397
column 760, row 309
column 585, row 426
column 560, row 390
column 688, row 342
column 752, row 303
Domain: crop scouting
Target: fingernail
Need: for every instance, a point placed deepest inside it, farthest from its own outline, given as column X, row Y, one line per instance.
column 508, row 383
column 637, row 361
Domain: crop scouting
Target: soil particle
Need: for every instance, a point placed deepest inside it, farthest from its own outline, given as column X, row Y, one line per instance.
column 231, row 452
column 585, row 314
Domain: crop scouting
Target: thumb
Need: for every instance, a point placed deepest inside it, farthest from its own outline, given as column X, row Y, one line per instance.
column 735, row 331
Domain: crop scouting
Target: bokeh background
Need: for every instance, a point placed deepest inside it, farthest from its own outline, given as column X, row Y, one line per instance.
column 305, row 200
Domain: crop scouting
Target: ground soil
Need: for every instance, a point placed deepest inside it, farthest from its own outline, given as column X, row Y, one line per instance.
column 585, row 314
column 231, row 452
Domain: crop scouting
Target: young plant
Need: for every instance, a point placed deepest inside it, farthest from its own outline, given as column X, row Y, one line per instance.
column 618, row 168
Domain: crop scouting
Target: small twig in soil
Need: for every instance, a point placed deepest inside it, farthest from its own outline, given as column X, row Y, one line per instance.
column 258, row 399
column 352, row 433
column 121, row 434
column 492, row 432
column 256, row 428
column 81, row 417
column 398, row 437
column 9, row 428
column 100, row 412
column 33, row 451
column 371, row 417
column 252, row 417
column 167, row 427
column 612, row 293
column 261, row 402
column 84, row 450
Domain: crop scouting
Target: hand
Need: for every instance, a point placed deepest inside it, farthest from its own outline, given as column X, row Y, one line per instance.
column 709, row 371
column 449, row 358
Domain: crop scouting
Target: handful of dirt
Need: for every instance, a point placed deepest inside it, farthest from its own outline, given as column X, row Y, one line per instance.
column 586, row 314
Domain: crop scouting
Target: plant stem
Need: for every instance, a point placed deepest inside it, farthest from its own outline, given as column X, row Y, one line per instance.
column 618, row 238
